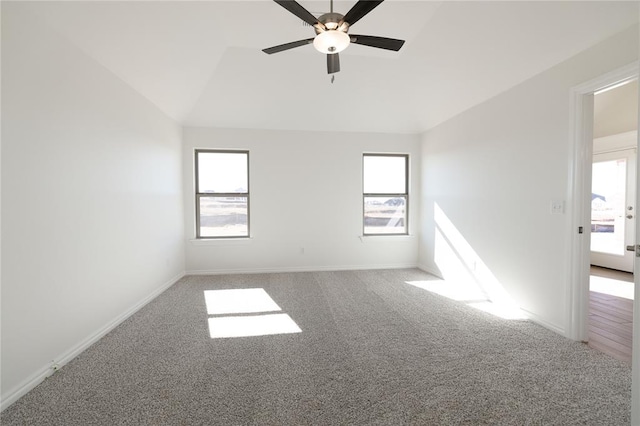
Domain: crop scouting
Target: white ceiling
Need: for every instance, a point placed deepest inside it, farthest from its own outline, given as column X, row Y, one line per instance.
column 201, row 62
column 616, row 110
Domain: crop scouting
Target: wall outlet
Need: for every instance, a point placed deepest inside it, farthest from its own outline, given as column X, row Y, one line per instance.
column 557, row 207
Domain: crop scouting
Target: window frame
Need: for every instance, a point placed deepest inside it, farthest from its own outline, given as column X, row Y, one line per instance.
column 404, row 195
column 199, row 195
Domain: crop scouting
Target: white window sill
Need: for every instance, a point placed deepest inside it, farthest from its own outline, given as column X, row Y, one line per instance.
column 385, row 238
column 220, row 241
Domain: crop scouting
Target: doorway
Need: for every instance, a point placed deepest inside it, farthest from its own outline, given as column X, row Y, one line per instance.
column 582, row 136
column 613, row 208
column 613, row 211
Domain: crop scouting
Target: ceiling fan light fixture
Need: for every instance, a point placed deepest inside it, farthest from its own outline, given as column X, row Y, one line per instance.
column 331, row 25
column 331, row 41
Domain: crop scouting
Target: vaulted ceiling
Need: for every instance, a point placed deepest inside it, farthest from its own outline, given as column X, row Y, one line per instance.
column 201, row 62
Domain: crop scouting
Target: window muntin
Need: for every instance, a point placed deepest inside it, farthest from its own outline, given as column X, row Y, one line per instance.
column 385, row 194
column 222, row 194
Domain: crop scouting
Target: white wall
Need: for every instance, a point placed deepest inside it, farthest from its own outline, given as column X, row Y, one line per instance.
column 92, row 219
column 306, row 193
column 494, row 171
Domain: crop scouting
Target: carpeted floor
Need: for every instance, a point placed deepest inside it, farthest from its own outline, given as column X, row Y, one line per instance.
column 373, row 350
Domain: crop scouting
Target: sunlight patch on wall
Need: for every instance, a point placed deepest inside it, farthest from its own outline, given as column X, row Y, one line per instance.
column 239, row 301
column 466, row 277
column 254, row 325
column 469, row 259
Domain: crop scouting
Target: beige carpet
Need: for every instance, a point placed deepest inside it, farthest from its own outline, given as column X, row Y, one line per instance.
column 369, row 349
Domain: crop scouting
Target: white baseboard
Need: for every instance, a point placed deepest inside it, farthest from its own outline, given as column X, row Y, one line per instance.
column 535, row 318
column 298, row 269
column 35, row 379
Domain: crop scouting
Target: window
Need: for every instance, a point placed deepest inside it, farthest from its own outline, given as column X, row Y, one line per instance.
column 222, row 194
column 386, row 197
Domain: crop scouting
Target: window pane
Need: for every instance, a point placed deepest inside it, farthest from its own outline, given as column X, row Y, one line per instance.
column 223, row 217
column 384, row 174
column 608, row 200
column 384, row 215
column 222, row 172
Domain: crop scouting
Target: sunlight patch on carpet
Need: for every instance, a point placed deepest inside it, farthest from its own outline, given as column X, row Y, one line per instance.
column 472, row 296
column 501, row 311
column 254, row 325
column 239, row 301
column 458, row 291
column 245, row 312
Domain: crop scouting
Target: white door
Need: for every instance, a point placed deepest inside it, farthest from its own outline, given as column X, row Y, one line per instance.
column 613, row 209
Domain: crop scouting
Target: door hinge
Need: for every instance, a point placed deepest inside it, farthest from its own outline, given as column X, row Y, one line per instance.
column 580, row 230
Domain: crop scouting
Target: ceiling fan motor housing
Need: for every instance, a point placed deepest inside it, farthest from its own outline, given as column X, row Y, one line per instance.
column 332, row 21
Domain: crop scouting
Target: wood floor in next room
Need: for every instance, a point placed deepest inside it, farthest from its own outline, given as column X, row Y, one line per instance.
column 611, row 315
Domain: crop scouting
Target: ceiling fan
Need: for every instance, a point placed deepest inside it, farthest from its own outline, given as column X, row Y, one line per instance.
column 332, row 31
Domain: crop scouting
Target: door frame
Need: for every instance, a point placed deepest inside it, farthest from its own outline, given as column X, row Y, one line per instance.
column 579, row 200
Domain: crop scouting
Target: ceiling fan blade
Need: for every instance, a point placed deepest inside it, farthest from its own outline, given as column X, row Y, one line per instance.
column 359, row 10
column 287, row 46
column 302, row 13
column 333, row 63
column 379, row 42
